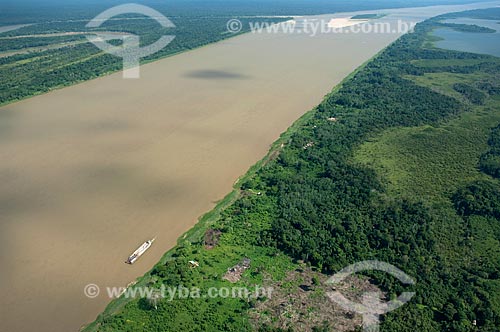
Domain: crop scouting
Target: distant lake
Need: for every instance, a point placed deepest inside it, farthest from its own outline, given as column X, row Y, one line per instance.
column 483, row 43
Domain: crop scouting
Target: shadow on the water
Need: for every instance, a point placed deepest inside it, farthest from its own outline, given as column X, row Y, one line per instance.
column 216, row 74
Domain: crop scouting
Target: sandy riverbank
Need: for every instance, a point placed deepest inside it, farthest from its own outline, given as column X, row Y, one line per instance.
column 344, row 22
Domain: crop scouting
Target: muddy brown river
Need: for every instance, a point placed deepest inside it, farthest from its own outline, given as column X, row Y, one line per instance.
column 90, row 172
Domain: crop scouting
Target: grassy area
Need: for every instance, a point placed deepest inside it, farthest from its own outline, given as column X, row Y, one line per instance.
column 368, row 16
column 431, row 162
column 443, row 82
column 435, row 63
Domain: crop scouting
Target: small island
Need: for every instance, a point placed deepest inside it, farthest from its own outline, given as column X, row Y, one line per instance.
column 473, row 28
column 367, row 16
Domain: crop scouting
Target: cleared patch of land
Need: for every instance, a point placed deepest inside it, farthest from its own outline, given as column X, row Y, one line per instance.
column 433, row 161
column 301, row 301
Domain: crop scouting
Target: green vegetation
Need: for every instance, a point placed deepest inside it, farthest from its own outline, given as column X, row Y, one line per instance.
column 386, row 168
column 368, row 16
column 490, row 161
column 467, row 28
column 481, row 198
column 473, row 95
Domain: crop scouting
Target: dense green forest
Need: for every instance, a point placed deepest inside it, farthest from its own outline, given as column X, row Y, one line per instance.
column 490, row 161
column 34, row 11
column 399, row 164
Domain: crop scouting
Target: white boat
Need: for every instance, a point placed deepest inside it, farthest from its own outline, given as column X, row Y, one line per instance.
column 139, row 252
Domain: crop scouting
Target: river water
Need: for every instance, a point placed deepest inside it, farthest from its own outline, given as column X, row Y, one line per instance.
column 483, row 43
column 90, row 172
